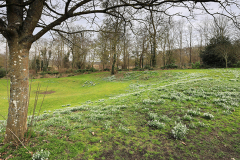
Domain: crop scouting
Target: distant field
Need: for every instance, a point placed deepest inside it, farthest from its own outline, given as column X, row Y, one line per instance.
column 170, row 114
column 62, row 91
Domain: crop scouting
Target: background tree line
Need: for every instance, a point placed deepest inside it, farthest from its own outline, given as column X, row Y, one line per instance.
column 154, row 41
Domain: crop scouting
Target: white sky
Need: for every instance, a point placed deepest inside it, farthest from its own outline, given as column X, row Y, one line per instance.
column 213, row 8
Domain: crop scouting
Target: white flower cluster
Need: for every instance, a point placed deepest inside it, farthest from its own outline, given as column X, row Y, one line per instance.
column 179, row 131
column 2, row 125
column 193, row 112
column 41, row 155
column 208, row 116
column 156, row 124
column 149, row 101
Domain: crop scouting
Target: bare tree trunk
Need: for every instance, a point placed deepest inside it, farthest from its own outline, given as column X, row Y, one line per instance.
column 18, row 106
column 190, row 44
column 226, row 60
column 124, row 54
column 153, row 36
column 113, row 64
column 128, row 61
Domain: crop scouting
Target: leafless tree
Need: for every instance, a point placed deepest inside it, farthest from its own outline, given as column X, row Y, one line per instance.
column 189, row 39
column 221, row 26
column 180, row 33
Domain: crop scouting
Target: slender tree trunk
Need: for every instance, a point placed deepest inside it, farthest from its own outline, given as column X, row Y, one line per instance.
column 140, row 61
column 154, row 51
column 180, row 58
column 124, row 54
column 113, row 64
column 117, row 60
column 19, row 92
column 128, row 61
column 153, row 36
column 226, row 62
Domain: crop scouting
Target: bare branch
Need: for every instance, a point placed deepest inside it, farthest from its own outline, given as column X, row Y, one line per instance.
column 48, row 7
column 18, row 4
column 66, row 7
column 33, row 16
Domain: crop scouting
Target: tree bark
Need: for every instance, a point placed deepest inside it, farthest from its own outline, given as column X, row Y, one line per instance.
column 153, row 50
column 19, row 92
column 113, row 65
column 226, row 61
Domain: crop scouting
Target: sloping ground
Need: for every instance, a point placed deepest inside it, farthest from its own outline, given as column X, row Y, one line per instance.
column 191, row 114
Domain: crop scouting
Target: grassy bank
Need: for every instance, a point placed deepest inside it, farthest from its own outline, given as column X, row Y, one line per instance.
column 177, row 114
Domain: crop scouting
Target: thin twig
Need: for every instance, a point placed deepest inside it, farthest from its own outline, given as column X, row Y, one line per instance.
column 34, row 108
column 35, row 103
column 7, row 74
column 19, row 140
column 42, row 101
column 16, row 136
column 30, row 91
column 3, row 117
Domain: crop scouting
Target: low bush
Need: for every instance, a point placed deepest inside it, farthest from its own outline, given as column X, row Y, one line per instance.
column 237, row 65
column 55, row 72
column 92, row 69
column 42, row 73
column 197, row 65
column 106, row 69
column 48, row 72
column 81, row 70
column 135, row 69
column 170, row 66
column 147, row 67
column 2, row 72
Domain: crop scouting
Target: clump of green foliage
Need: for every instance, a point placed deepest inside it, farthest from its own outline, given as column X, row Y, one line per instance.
column 2, row 72
column 156, row 124
column 196, row 65
column 170, row 66
column 208, row 116
column 41, row 155
column 179, row 130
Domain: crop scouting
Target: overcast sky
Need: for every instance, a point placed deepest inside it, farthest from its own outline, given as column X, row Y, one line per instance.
column 200, row 16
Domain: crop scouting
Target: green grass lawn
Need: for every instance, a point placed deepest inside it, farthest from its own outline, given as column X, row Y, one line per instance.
column 170, row 114
column 71, row 90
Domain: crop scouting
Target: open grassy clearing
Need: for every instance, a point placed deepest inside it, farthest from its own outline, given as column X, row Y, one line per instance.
column 177, row 114
column 63, row 91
